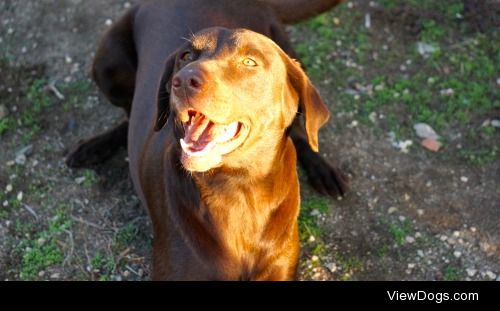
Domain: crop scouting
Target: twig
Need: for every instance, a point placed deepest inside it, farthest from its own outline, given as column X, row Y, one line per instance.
column 88, row 223
column 56, row 92
column 30, row 210
column 72, row 247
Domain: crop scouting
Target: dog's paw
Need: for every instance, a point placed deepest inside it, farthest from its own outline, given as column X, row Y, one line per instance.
column 324, row 178
column 87, row 153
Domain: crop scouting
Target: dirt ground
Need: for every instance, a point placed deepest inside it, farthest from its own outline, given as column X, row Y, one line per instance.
column 413, row 215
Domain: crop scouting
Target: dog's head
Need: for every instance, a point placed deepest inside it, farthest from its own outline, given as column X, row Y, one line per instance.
column 235, row 92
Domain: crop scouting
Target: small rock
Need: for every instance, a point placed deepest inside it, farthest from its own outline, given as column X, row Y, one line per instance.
column 457, row 254
column 491, row 275
column 471, row 272
column 464, row 179
column 20, row 159
column 20, row 196
column 431, row 144
column 108, row 22
column 418, row 235
column 314, row 258
column 26, row 150
column 315, row 212
column 411, row 265
column 55, row 275
column 410, row 239
column 80, row 180
column 8, row 188
column 311, row 239
column 425, row 131
column 425, row 49
column 420, row 212
column 41, row 273
column 447, row 92
column 473, row 229
column 3, row 112
column 126, row 273
column 332, row 267
column 495, row 123
column 140, row 272
column 402, row 218
column 456, row 234
column 420, row 253
column 5, row 203
column 392, row 209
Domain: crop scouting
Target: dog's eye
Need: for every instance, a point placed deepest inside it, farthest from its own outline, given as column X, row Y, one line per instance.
column 249, row 62
column 186, row 56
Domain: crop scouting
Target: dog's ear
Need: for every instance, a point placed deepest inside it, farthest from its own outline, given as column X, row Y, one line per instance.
column 163, row 93
column 311, row 104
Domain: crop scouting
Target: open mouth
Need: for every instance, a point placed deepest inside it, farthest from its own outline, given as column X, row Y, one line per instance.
column 208, row 140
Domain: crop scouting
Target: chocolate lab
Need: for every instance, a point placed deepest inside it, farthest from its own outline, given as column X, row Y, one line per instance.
column 212, row 92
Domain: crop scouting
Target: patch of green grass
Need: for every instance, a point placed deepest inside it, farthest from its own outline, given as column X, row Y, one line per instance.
column 399, row 232
column 6, row 124
column 452, row 273
column 104, row 265
column 38, row 101
column 42, row 250
column 311, row 208
column 382, row 251
column 75, row 93
column 432, row 31
column 91, row 178
column 125, row 235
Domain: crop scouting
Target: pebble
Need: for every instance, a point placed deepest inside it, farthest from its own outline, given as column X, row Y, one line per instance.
column 311, row 239
column 8, row 188
column 20, row 196
column 420, row 253
column 55, row 275
column 20, row 159
column 491, row 275
column 410, row 239
column 471, row 272
column 80, row 180
column 420, row 212
column 425, row 131
column 41, row 273
column 411, row 265
column 314, row 258
column 464, row 179
column 108, row 22
column 425, row 49
column 457, row 254
column 431, row 144
column 126, row 273
column 392, row 209
column 332, row 267
column 495, row 123
column 456, row 234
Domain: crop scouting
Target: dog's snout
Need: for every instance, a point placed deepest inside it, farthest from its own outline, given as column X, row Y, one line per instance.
column 191, row 80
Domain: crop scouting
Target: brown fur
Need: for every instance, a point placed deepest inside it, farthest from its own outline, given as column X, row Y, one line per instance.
column 238, row 221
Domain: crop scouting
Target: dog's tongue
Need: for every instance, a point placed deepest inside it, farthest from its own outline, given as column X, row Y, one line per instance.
column 201, row 133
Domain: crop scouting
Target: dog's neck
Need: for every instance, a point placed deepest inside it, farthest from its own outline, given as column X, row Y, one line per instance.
column 240, row 221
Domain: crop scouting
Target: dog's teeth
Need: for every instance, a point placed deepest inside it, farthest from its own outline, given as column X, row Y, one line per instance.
column 228, row 132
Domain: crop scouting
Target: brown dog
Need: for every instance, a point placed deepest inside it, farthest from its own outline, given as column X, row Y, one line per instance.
column 212, row 160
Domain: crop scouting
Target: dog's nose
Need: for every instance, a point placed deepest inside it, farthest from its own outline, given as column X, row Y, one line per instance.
column 190, row 79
